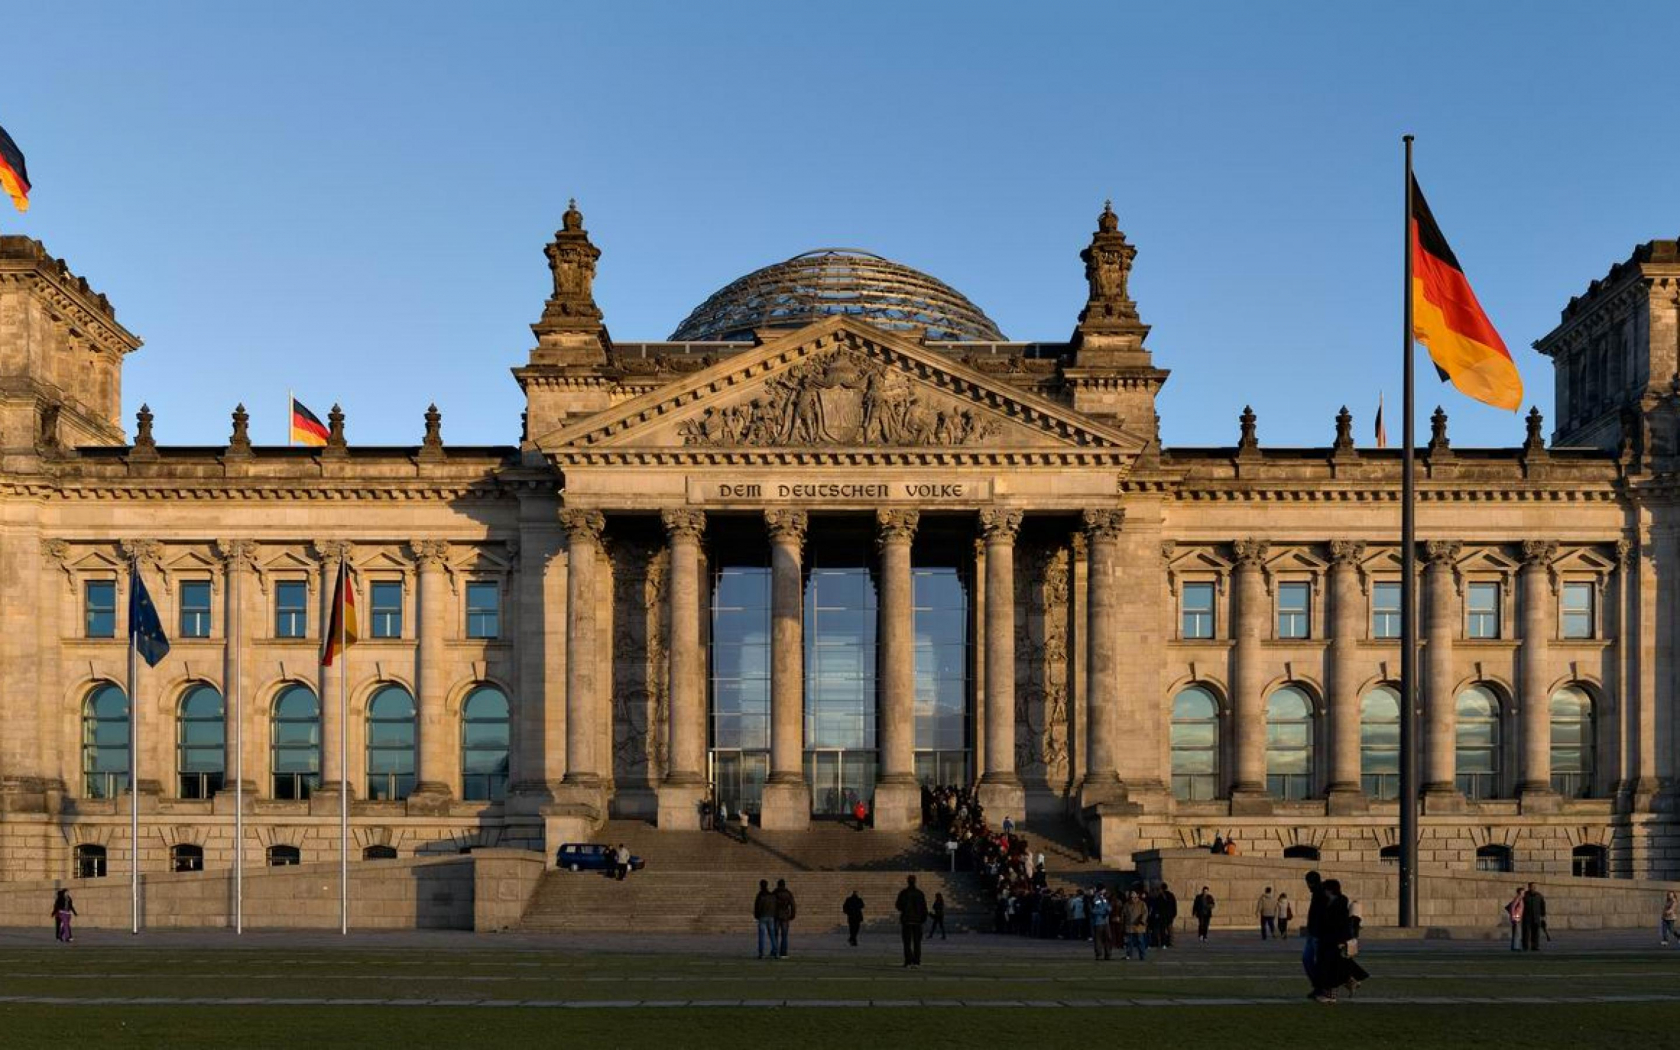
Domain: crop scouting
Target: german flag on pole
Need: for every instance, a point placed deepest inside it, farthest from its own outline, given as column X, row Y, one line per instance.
column 1448, row 320
column 341, row 622
column 14, row 177
column 307, row 428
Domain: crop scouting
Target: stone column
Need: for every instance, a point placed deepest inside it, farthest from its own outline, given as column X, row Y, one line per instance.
column 1000, row 788
column 583, row 551
column 1346, row 619
column 332, row 554
column 1102, row 658
column 434, row 773
column 1439, row 717
column 897, row 796
column 685, row 783
column 238, row 559
column 786, row 804
column 540, row 712
column 1248, row 706
column 1534, row 704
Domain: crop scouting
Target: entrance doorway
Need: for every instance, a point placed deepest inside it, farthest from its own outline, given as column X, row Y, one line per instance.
column 738, row 779
column 839, row 780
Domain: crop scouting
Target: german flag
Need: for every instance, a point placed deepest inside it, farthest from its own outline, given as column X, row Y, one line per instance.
column 14, row 176
column 341, row 622
column 307, row 428
column 1448, row 320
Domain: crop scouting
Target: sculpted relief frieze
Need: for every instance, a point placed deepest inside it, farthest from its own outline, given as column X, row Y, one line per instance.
column 845, row 398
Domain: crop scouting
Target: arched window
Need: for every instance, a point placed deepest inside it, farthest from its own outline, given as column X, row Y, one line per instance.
column 1477, row 757
column 1195, row 745
column 90, row 861
column 1289, row 744
column 1590, row 862
column 390, row 744
column 283, row 856
column 1493, row 858
column 105, row 742
column 200, row 737
column 296, row 748
column 484, row 745
column 1572, row 742
column 1379, row 743
column 186, row 857
column 1300, row 852
column 379, row 853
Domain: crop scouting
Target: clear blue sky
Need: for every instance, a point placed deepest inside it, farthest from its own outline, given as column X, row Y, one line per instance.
column 352, row 199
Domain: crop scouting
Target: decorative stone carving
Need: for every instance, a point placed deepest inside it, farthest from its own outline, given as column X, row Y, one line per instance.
column 583, row 525
column 1103, row 524
column 787, row 525
column 1250, row 553
column 145, row 446
column 1042, row 750
column 641, row 695
column 1000, row 523
column 1438, row 431
column 1538, row 553
column 1344, row 431
column 571, row 261
column 1535, row 441
column 335, row 427
column 331, row 552
column 148, row 553
column 1248, row 439
column 237, row 554
column 1347, row 552
column 1442, row 552
column 896, row 526
column 684, row 522
column 1108, row 268
column 1625, row 552
column 58, row 551
column 844, row 398
column 239, row 443
column 430, row 554
column 431, row 446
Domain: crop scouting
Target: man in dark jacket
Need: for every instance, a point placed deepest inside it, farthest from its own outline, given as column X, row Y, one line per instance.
column 912, row 913
column 1310, row 929
column 1202, row 909
column 785, row 912
column 1166, row 916
column 764, row 913
column 854, row 917
column 1533, row 918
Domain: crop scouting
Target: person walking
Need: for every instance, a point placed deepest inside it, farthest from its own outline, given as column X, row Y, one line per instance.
column 1168, row 918
column 62, row 910
column 938, row 914
column 1101, row 944
column 1076, row 916
column 912, row 908
column 1338, row 945
column 1202, row 909
column 1309, row 932
column 1266, row 909
column 1285, row 915
column 621, row 861
column 1533, row 918
column 786, row 910
column 1670, row 915
column 764, row 914
column 1135, row 924
column 1513, row 913
column 854, row 917
column 860, row 813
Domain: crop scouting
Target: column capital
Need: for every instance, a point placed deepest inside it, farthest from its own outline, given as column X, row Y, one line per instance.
column 331, row 551
column 1250, row 553
column 149, row 553
column 238, row 554
column 683, row 523
column 787, row 525
column 429, row 554
column 896, row 526
column 1000, row 523
column 1347, row 552
column 1102, row 524
column 1442, row 552
column 583, row 525
column 1538, row 554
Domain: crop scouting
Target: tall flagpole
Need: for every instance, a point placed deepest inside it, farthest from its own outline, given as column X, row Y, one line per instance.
column 133, row 761
column 238, row 759
column 343, row 750
column 290, row 401
column 1408, row 596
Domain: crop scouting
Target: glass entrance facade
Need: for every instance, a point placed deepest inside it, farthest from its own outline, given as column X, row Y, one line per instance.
column 943, row 657
column 740, row 683
column 840, row 626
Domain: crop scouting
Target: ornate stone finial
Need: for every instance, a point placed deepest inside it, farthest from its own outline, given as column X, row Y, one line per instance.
column 1344, row 430
column 433, row 441
column 895, row 526
column 1438, row 431
column 583, row 526
column 1250, row 553
column 1102, row 524
column 1538, row 553
column 1346, row 552
column 1247, row 439
column 572, row 220
column 1536, row 440
column 1442, row 552
column 240, row 440
column 143, row 428
column 787, row 525
column 1108, row 222
column 430, row 554
column 571, row 262
column 1000, row 524
column 684, row 522
column 1108, row 269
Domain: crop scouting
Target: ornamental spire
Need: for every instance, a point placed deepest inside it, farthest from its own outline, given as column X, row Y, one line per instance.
column 571, row 331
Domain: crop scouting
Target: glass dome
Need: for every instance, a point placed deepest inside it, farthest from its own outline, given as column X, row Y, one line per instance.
column 837, row 282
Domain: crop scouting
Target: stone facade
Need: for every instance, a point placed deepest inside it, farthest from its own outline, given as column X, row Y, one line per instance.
column 1103, row 576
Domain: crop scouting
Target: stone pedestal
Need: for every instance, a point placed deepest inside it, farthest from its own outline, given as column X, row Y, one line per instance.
column 563, row 823
column 1346, row 802
column 679, row 806
column 1114, row 832
column 898, row 805
column 1003, row 797
column 785, row 806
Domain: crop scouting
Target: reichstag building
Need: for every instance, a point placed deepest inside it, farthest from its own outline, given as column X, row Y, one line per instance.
column 835, row 538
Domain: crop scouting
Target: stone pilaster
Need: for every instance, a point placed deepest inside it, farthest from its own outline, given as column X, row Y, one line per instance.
column 238, row 561
column 435, row 773
column 1534, row 704
column 1440, row 705
column 1000, row 787
column 24, row 587
column 786, row 803
column 1102, row 659
column 540, row 712
column 583, row 552
column 1346, row 618
column 332, row 554
column 685, row 783
column 897, row 796
column 1248, row 724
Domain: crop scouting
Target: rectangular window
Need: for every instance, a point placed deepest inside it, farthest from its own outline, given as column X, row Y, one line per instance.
column 1293, row 604
column 195, row 609
column 484, row 610
column 291, row 609
column 1577, row 610
column 1385, row 610
column 1483, row 607
column 386, row 599
column 100, row 600
column 1196, row 605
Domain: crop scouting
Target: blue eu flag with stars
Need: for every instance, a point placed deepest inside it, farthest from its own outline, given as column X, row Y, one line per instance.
column 145, row 630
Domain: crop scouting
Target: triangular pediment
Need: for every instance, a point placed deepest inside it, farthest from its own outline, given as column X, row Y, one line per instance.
column 839, row 386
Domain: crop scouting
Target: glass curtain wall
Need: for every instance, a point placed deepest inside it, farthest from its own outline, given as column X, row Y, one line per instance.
column 943, row 656
column 740, row 678
column 840, row 654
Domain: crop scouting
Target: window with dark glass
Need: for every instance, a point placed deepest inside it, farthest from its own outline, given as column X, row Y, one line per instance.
column 385, row 600
column 1493, row 858
column 1300, row 852
column 200, row 741
column 1289, row 744
column 740, row 681
column 195, row 609
column 1577, row 602
column 1590, row 862
column 186, row 858
column 1385, row 610
column 484, row 610
column 485, row 738
column 295, row 751
column 1196, row 610
column 940, row 595
column 1482, row 601
column 1477, row 755
column 291, row 609
column 1379, row 743
column 840, row 664
column 105, row 742
column 90, row 861
column 1294, row 603
column 99, row 605
column 284, row 856
column 1195, row 745
column 1572, row 742
column 379, row 853
column 390, row 744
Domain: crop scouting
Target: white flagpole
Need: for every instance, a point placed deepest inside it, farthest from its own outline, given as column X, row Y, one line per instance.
column 343, row 751
column 238, row 760
column 290, row 401
column 133, row 764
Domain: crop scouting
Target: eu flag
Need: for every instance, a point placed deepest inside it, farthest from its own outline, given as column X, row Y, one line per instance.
column 145, row 630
